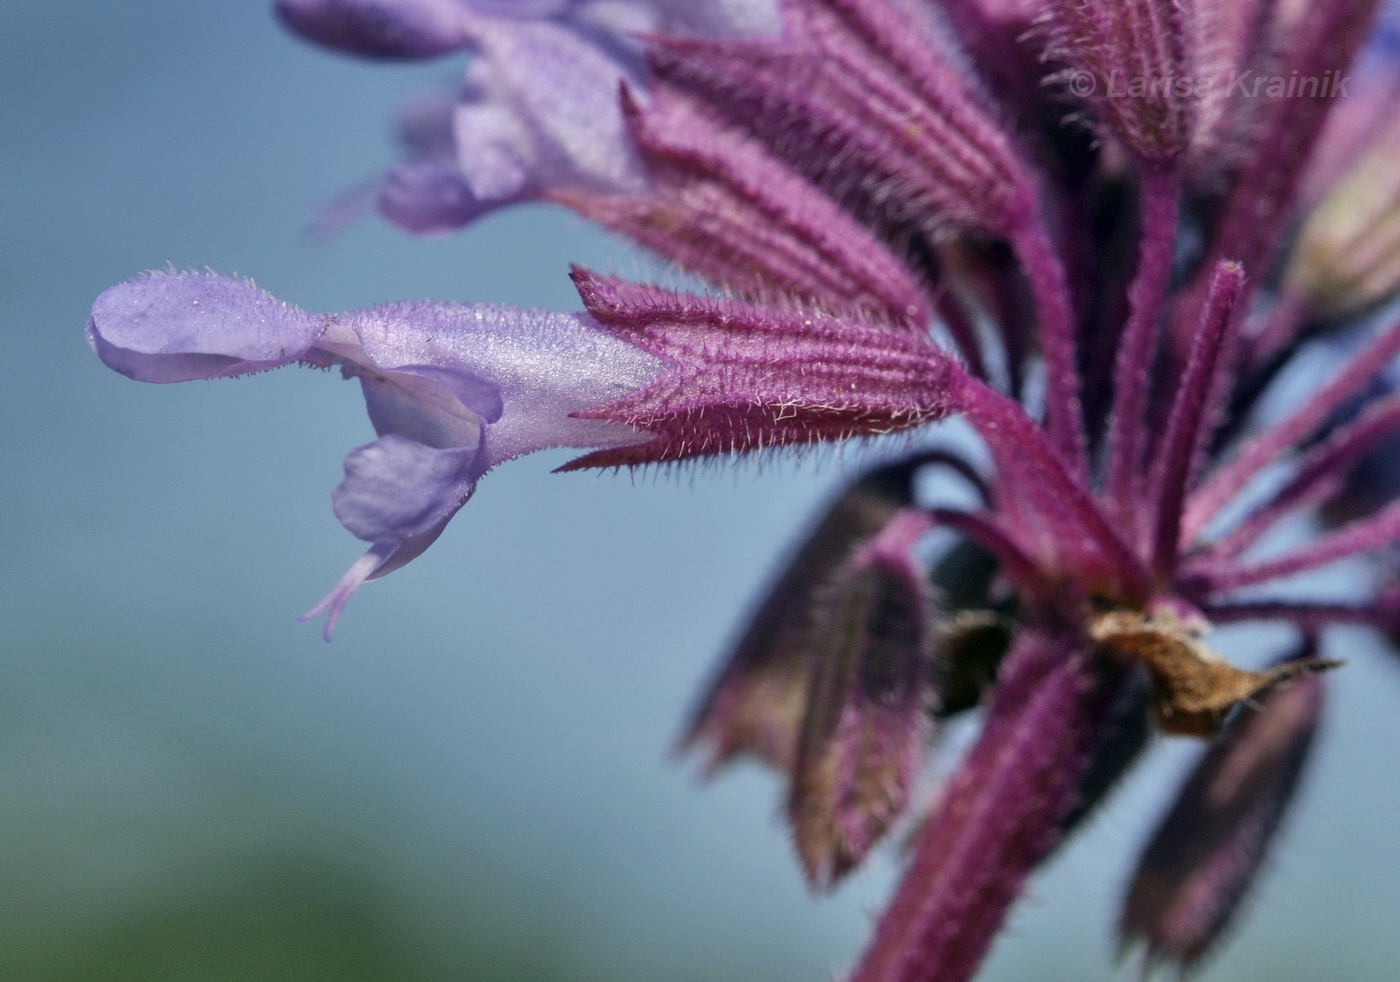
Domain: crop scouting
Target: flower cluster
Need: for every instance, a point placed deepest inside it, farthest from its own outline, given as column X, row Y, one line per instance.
column 902, row 211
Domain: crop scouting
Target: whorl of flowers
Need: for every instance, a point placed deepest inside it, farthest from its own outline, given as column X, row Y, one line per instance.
column 1097, row 232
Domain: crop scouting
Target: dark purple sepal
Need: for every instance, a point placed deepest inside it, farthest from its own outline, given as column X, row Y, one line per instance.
column 1263, row 198
column 867, row 720
column 1000, row 815
column 755, row 704
column 841, row 106
column 743, row 377
column 387, row 29
column 1206, row 854
column 1126, row 734
column 722, row 206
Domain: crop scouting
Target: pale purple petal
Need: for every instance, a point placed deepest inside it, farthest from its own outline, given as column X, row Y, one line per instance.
column 497, row 152
column 396, row 489
column 626, row 20
column 429, row 198
column 425, row 409
column 424, row 125
column 542, row 111
column 545, row 366
column 173, row 327
column 523, row 9
column 721, row 18
column 398, row 495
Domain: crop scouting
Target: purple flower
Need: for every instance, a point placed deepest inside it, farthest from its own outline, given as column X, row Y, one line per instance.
column 537, row 110
column 1063, row 222
column 452, row 390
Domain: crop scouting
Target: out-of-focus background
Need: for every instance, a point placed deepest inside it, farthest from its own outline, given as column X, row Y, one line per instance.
column 472, row 782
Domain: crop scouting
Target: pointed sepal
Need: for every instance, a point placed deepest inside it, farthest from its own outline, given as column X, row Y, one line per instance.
column 755, row 705
column 744, row 377
column 1209, row 848
column 867, row 719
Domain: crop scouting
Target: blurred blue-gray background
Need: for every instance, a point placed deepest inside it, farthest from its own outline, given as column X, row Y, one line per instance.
column 472, row 782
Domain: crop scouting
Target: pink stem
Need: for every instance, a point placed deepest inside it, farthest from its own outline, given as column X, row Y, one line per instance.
column 1283, row 436
column 1366, row 535
column 1319, row 474
column 1188, row 426
column 998, row 819
column 1017, row 441
column 1016, row 563
column 1046, row 275
column 1132, row 373
column 1309, row 616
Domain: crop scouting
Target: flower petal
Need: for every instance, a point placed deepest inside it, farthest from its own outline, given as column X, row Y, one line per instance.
column 539, row 368
column 425, row 409
column 396, row 489
column 451, row 389
column 541, row 111
column 173, row 327
column 428, row 198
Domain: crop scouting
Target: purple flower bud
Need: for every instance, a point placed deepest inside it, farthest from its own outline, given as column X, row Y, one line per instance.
column 1207, row 852
column 867, row 716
